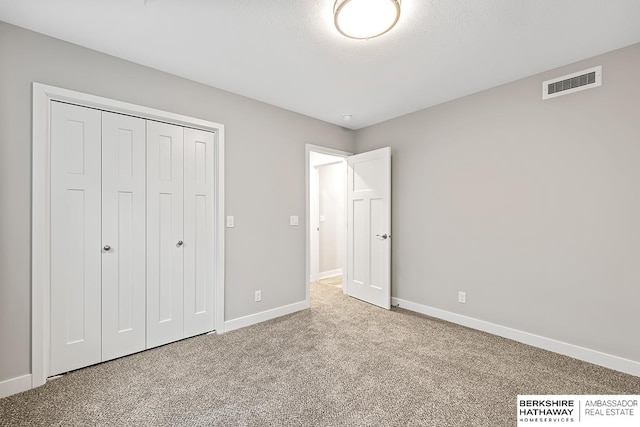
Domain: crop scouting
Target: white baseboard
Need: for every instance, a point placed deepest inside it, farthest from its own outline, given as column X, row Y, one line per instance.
column 587, row 355
column 252, row 319
column 15, row 385
column 330, row 273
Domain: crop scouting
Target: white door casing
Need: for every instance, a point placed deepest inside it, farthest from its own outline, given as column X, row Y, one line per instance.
column 199, row 231
column 314, row 224
column 165, row 252
column 369, row 227
column 123, row 233
column 75, row 238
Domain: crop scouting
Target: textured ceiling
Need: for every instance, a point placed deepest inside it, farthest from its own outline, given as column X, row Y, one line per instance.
column 287, row 52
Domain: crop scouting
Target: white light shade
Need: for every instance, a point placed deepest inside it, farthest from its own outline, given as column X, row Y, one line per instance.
column 365, row 19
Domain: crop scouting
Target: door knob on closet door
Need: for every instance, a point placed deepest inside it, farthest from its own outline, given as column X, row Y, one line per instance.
column 107, row 248
column 180, row 242
column 383, row 237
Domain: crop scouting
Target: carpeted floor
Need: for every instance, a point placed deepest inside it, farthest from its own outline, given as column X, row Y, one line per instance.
column 340, row 363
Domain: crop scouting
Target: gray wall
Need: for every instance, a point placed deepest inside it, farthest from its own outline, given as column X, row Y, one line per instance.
column 332, row 180
column 532, row 207
column 265, row 155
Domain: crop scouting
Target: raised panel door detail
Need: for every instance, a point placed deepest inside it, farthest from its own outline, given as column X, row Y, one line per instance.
column 165, row 256
column 75, row 146
column 378, row 246
column 76, row 268
column 123, row 229
column 165, row 157
column 125, row 152
column 125, row 245
column 359, row 242
column 200, row 260
column 366, row 176
column 200, row 169
column 75, row 238
column 199, row 152
column 166, row 253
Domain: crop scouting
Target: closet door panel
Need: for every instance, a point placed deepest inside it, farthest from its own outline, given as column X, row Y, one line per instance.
column 75, row 237
column 123, row 230
column 165, row 264
column 199, row 160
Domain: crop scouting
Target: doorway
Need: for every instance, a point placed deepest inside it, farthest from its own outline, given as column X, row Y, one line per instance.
column 364, row 234
column 325, row 213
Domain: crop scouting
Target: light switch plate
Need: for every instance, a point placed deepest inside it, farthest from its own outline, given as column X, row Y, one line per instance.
column 293, row 220
column 322, row 218
column 230, row 222
column 462, row 297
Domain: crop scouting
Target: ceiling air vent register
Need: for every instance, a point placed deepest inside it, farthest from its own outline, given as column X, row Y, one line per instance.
column 571, row 83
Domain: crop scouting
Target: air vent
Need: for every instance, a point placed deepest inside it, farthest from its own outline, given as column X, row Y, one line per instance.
column 571, row 83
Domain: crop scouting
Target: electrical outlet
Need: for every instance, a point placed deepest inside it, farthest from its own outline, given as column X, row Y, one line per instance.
column 462, row 297
column 258, row 296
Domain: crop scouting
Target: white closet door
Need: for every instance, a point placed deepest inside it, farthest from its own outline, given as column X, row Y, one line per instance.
column 199, row 216
column 76, row 248
column 123, row 234
column 165, row 264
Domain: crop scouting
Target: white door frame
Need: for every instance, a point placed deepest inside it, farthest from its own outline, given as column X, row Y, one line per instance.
column 324, row 150
column 314, row 212
column 41, row 212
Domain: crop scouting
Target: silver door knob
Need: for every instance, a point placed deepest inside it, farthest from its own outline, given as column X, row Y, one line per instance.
column 107, row 248
column 383, row 237
column 180, row 242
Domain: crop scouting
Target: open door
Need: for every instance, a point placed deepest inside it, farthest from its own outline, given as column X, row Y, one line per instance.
column 369, row 227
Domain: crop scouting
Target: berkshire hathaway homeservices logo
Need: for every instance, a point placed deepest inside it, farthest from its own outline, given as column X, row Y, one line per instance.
column 580, row 410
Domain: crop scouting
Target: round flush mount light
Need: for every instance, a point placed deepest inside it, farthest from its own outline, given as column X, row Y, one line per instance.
column 365, row 19
column 347, row 117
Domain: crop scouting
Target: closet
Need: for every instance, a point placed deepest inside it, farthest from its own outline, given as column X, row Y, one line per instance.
column 132, row 235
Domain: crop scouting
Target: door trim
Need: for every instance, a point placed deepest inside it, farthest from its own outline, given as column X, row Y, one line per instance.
column 41, row 212
column 324, row 150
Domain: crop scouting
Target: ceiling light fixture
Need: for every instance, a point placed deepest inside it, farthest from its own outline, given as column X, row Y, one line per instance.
column 365, row 19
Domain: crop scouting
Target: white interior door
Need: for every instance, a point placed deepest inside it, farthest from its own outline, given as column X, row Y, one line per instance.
column 76, row 248
column 123, row 235
column 165, row 262
column 199, row 226
column 369, row 227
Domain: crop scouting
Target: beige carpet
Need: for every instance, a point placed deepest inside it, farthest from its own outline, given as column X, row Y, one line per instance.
column 342, row 362
column 330, row 281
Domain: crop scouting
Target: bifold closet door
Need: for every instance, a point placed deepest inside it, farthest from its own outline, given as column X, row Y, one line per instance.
column 165, row 264
column 132, row 235
column 199, row 217
column 76, row 248
column 123, row 235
